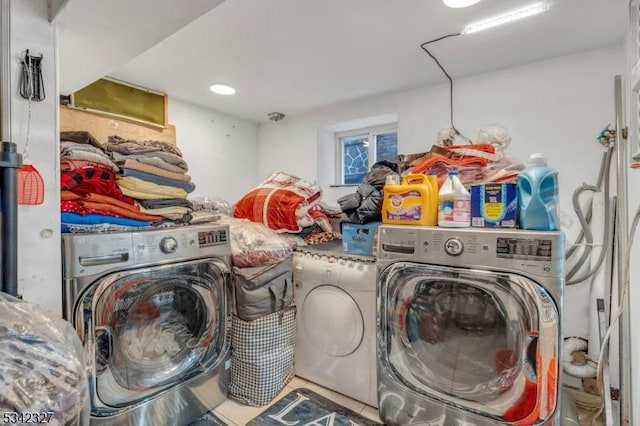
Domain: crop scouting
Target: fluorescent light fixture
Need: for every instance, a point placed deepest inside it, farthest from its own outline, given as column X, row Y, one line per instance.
column 460, row 3
column 507, row 17
column 222, row 89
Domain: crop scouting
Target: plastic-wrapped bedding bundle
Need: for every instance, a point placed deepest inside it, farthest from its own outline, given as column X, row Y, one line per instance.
column 42, row 373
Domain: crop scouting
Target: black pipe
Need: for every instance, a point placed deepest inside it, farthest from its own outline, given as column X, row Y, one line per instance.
column 10, row 161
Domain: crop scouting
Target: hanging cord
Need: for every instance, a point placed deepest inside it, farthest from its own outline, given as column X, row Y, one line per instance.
column 423, row 47
column 624, row 281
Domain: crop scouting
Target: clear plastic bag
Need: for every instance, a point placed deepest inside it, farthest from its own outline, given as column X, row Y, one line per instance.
column 211, row 204
column 253, row 244
column 42, row 370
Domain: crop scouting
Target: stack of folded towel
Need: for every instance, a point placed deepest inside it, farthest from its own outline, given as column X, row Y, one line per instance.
column 91, row 200
column 155, row 175
column 122, row 185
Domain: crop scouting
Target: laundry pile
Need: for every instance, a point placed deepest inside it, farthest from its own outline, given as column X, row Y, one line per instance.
column 483, row 162
column 289, row 204
column 155, row 174
column 122, row 186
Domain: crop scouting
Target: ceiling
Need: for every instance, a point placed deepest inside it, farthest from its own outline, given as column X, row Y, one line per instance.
column 292, row 56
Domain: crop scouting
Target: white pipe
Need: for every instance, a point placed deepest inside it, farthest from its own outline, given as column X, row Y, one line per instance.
column 571, row 345
column 598, row 281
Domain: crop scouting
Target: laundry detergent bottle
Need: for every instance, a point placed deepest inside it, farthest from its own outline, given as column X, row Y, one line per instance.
column 412, row 202
column 454, row 203
column 538, row 196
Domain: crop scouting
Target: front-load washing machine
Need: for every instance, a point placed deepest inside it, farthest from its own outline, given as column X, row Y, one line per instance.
column 469, row 326
column 152, row 309
column 335, row 294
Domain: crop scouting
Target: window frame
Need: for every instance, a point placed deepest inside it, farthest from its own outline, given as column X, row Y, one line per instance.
column 370, row 133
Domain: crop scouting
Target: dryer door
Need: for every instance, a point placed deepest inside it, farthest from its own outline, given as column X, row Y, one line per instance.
column 154, row 328
column 475, row 340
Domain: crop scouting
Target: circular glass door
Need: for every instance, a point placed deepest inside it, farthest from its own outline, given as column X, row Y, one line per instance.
column 479, row 340
column 157, row 327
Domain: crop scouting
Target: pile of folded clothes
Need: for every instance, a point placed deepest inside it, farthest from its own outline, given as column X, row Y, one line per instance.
column 104, row 190
column 155, row 174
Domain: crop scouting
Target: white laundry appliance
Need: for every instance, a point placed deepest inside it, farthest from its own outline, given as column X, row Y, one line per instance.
column 335, row 294
column 152, row 309
column 469, row 326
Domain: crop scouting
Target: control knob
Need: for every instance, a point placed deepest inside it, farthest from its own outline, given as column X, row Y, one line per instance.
column 168, row 245
column 454, row 246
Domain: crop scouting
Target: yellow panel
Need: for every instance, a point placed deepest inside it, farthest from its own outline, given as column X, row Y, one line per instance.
column 124, row 100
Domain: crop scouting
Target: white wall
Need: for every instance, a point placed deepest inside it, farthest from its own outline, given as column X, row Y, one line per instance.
column 221, row 150
column 39, row 272
column 557, row 107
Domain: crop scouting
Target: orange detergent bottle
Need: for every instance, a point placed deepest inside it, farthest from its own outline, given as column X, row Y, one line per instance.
column 412, row 202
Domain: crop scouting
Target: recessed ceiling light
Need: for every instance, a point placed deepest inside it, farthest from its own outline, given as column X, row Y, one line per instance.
column 460, row 3
column 222, row 89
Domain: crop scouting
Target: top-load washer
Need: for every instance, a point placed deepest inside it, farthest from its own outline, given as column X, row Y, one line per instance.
column 335, row 294
column 469, row 326
column 152, row 309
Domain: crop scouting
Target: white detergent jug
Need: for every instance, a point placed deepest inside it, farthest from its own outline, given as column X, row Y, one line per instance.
column 454, row 203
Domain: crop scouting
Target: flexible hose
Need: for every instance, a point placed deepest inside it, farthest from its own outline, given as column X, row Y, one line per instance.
column 605, row 164
column 607, row 227
column 570, row 345
column 588, row 236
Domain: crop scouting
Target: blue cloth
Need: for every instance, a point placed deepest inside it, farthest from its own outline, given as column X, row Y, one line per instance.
column 187, row 186
column 94, row 219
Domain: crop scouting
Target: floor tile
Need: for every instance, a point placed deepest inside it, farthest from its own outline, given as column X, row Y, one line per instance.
column 240, row 414
column 228, row 421
column 343, row 400
column 370, row 413
column 297, row 382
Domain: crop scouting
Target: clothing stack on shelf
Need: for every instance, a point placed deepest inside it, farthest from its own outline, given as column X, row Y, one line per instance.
column 125, row 185
column 155, row 174
column 90, row 199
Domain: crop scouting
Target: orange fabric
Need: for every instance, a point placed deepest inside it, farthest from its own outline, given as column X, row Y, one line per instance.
column 69, row 196
column 484, row 147
column 551, row 385
column 104, row 199
column 465, row 161
column 112, row 208
column 108, row 204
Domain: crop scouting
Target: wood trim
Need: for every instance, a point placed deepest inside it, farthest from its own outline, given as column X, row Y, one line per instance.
column 102, row 125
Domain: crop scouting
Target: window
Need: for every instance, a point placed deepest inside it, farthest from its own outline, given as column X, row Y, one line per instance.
column 360, row 149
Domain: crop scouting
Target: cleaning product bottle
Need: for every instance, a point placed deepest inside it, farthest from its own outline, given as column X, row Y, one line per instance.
column 454, row 206
column 538, row 196
column 412, row 202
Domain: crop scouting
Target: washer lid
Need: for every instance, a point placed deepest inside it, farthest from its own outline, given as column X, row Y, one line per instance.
column 332, row 321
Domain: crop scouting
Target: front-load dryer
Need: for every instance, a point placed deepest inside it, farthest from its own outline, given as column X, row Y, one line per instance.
column 469, row 326
column 152, row 309
column 336, row 321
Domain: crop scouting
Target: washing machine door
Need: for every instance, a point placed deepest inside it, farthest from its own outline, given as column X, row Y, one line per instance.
column 477, row 341
column 154, row 328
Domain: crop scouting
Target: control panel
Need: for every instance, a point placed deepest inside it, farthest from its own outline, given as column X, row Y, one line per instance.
column 535, row 252
column 524, row 248
column 212, row 238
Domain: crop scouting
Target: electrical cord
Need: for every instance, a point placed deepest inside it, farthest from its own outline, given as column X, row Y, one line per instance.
column 423, row 47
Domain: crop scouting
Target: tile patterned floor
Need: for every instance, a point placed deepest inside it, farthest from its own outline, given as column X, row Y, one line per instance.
column 236, row 414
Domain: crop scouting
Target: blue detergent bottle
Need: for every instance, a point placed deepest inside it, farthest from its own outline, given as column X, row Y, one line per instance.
column 538, row 196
